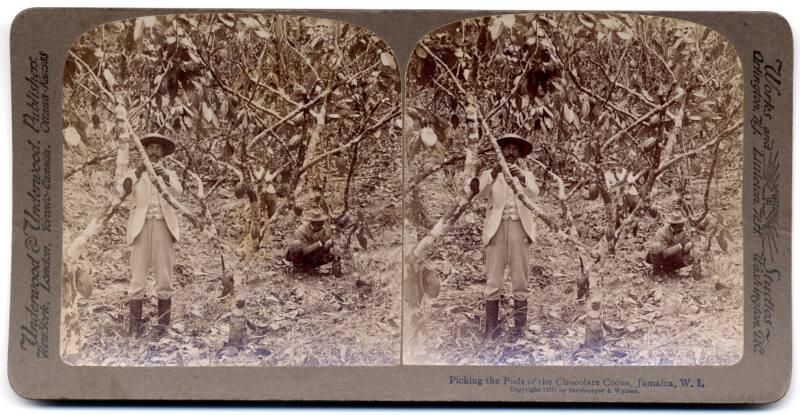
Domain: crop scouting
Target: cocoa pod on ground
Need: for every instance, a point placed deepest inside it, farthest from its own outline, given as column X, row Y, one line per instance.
column 594, row 191
column 430, row 283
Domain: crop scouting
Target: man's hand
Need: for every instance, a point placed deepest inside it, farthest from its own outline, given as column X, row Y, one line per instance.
column 687, row 247
column 328, row 244
column 517, row 172
column 139, row 170
column 159, row 169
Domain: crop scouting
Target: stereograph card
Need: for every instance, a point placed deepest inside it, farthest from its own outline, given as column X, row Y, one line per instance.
column 316, row 205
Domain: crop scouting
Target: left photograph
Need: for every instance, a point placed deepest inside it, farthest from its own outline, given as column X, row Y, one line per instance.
column 232, row 194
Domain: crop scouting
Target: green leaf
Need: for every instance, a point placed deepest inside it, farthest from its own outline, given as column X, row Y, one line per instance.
column 585, row 108
column 138, row 29
column 722, row 241
column 569, row 115
column 148, row 21
column 208, row 114
column 388, row 60
column 251, row 23
column 226, row 19
column 84, row 283
column 72, row 137
column 431, row 285
column 625, row 35
column 361, row 239
column 508, row 20
column 367, row 231
column 611, row 24
column 109, row 77
column 428, row 137
column 585, row 20
column 496, row 28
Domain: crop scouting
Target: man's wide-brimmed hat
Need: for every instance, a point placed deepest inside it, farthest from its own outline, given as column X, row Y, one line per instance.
column 676, row 217
column 315, row 215
column 166, row 143
column 525, row 146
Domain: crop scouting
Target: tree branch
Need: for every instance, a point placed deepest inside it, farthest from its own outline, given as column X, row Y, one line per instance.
column 515, row 87
column 97, row 80
column 302, row 56
column 141, row 106
column 283, row 95
column 711, row 173
column 97, row 159
column 641, row 97
column 420, row 177
column 660, row 58
column 512, row 181
column 350, row 171
column 395, row 112
column 643, row 118
column 298, row 110
column 667, row 164
column 238, row 94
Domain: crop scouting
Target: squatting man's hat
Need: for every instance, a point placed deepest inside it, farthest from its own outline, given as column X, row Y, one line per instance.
column 315, row 215
column 153, row 138
column 524, row 145
column 676, row 218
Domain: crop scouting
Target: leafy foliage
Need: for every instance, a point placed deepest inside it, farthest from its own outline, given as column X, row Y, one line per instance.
column 598, row 93
column 629, row 114
column 269, row 112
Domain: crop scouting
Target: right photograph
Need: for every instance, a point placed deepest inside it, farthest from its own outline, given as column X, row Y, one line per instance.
column 573, row 193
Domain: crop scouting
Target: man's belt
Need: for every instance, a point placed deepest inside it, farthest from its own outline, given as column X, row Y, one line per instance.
column 154, row 216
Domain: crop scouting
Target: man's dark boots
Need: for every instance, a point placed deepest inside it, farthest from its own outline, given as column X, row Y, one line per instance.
column 164, row 307
column 492, row 309
column 135, row 328
column 697, row 270
column 520, row 318
column 336, row 268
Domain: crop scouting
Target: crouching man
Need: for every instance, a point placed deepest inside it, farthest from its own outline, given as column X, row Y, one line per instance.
column 312, row 246
column 671, row 249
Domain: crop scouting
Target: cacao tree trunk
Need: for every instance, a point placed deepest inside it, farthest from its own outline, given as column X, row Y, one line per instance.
column 310, row 181
column 237, row 334
column 417, row 253
column 594, row 336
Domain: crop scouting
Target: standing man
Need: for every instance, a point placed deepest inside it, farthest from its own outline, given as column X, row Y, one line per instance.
column 312, row 245
column 508, row 232
column 153, row 229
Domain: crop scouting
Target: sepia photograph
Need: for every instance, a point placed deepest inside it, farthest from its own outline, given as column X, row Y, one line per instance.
column 573, row 193
column 231, row 193
column 402, row 206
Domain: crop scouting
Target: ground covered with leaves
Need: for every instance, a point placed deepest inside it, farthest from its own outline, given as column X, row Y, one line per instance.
column 292, row 318
column 679, row 321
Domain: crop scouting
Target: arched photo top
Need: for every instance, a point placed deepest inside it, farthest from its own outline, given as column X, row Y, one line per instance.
column 284, row 55
column 531, row 55
column 590, row 135
column 242, row 158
